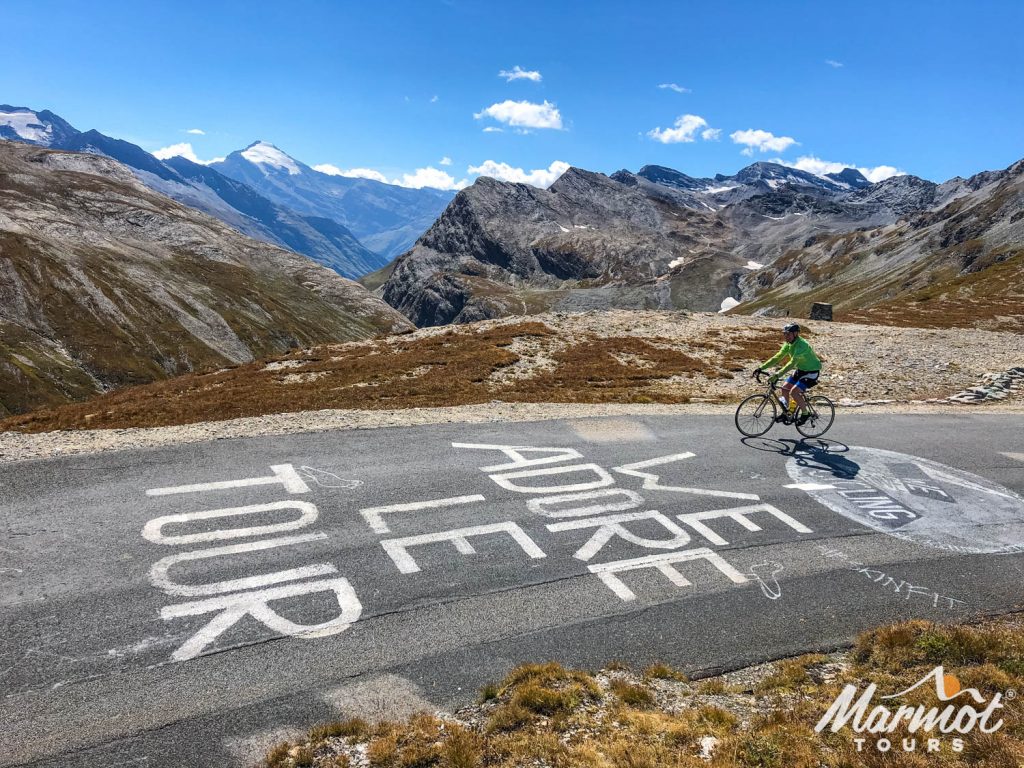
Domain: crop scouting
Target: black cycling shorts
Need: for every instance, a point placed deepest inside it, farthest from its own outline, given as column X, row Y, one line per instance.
column 804, row 379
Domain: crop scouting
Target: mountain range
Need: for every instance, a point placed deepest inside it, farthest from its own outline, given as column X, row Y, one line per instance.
column 766, row 240
column 105, row 283
column 386, row 218
column 263, row 193
column 119, row 268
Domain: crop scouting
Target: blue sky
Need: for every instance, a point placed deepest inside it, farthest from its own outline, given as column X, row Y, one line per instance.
column 931, row 88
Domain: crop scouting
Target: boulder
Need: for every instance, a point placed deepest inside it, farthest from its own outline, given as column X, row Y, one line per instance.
column 820, row 311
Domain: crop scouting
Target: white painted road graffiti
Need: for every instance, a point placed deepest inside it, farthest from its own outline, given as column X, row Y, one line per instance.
column 579, row 503
column 234, row 599
column 581, row 499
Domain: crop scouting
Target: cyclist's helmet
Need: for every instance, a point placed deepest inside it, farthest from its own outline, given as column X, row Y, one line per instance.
column 791, row 328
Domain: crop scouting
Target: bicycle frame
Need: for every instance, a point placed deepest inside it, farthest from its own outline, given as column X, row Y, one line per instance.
column 774, row 388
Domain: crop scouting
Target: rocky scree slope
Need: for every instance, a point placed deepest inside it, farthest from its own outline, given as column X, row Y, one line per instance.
column 104, row 283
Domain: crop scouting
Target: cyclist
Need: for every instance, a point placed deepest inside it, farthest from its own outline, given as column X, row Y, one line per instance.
column 807, row 365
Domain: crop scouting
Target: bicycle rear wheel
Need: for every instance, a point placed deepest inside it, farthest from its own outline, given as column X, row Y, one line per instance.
column 823, row 413
column 755, row 415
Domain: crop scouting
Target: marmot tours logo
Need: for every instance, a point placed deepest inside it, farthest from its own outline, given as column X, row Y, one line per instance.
column 960, row 711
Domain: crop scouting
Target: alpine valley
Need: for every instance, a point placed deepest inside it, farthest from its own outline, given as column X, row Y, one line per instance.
column 119, row 268
column 106, row 283
column 351, row 225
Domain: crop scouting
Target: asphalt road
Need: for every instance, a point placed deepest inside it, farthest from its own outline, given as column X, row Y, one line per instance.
column 147, row 623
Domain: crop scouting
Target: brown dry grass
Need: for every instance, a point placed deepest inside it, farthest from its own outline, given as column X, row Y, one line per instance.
column 454, row 367
column 992, row 298
column 545, row 715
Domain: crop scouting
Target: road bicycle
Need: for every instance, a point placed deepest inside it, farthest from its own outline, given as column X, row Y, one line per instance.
column 756, row 414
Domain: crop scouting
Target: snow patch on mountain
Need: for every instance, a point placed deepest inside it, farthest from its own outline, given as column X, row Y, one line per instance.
column 26, row 125
column 262, row 153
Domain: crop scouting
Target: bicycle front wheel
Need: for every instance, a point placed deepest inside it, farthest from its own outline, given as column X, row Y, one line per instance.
column 823, row 413
column 755, row 415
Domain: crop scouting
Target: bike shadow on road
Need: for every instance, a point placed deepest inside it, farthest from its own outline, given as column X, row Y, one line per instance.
column 815, row 452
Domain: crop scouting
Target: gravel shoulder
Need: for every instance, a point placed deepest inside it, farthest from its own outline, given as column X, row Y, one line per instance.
column 15, row 446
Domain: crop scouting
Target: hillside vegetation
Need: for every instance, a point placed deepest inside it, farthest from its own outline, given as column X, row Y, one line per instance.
column 598, row 357
column 106, row 284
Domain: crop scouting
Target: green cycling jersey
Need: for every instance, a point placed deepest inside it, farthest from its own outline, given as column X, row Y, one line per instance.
column 800, row 355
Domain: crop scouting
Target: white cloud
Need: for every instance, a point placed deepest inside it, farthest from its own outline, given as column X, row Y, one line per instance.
column 711, row 134
column 196, row 131
column 352, row 173
column 183, row 150
column 518, row 73
column 764, row 141
column 833, row 63
column 421, row 177
column 820, row 167
column 524, row 114
column 674, row 87
column 446, row 160
column 430, row 177
column 685, row 130
column 493, row 129
column 542, row 177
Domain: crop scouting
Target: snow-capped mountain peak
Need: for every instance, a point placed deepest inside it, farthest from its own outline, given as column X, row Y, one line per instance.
column 266, row 154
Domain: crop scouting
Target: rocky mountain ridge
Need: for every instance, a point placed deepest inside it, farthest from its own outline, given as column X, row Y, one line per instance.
column 586, row 242
column 654, row 239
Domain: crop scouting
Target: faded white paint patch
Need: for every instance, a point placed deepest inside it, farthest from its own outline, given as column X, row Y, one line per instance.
column 378, row 697
column 612, row 430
